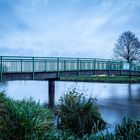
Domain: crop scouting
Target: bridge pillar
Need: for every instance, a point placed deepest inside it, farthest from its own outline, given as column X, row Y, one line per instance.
column 51, row 92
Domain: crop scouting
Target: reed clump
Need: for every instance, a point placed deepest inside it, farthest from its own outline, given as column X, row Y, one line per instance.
column 79, row 114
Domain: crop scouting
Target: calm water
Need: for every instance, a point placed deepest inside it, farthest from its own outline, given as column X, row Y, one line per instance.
column 114, row 100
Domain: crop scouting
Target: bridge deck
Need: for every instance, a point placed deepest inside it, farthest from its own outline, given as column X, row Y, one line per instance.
column 39, row 68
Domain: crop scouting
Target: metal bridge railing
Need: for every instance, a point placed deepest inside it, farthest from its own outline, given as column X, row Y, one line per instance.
column 18, row 64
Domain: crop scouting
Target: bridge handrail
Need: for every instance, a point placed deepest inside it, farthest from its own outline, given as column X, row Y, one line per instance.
column 43, row 64
column 75, row 58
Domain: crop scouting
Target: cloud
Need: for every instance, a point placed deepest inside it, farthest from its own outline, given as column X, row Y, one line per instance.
column 75, row 28
column 14, row 51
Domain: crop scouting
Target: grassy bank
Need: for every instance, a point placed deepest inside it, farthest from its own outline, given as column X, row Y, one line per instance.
column 80, row 120
column 104, row 79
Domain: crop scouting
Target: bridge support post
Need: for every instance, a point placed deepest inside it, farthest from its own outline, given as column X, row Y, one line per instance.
column 51, row 92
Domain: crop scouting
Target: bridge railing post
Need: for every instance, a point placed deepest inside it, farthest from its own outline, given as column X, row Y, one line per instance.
column 64, row 65
column 108, row 67
column 45, row 65
column 78, row 66
column 94, row 66
column 1, row 69
column 33, row 70
column 58, row 60
column 130, row 69
column 121, row 67
column 21, row 65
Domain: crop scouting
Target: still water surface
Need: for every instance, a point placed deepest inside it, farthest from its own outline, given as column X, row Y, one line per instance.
column 114, row 100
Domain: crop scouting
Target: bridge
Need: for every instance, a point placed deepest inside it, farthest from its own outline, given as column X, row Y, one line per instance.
column 52, row 68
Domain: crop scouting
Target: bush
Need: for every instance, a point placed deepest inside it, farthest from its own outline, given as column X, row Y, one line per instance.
column 78, row 114
column 26, row 119
column 129, row 129
column 4, row 119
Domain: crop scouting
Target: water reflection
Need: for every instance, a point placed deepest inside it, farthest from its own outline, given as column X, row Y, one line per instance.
column 129, row 92
column 114, row 100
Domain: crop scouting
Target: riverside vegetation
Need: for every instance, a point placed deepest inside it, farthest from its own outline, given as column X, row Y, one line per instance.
column 104, row 79
column 78, row 119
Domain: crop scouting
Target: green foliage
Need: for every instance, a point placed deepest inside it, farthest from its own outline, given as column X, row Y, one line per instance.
column 23, row 119
column 4, row 119
column 104, row 79
column 128, row 129
column 78, row 114
column 27, row 120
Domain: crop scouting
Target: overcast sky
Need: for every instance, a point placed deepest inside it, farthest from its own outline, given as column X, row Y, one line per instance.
column 77, row 28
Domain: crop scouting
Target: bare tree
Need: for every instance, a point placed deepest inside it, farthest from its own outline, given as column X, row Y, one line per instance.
column 127, row 47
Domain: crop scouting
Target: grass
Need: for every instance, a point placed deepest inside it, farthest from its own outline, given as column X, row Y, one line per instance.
column 103, row 79
column 129, row 128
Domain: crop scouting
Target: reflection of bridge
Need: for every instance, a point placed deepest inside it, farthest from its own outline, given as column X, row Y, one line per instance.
column 50, row 68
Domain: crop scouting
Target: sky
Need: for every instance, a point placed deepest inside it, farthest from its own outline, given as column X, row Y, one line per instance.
column 65, row 28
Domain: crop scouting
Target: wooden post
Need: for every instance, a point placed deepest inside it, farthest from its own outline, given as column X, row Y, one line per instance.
column 51, row 92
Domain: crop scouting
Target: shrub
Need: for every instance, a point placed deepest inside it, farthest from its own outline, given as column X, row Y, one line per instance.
column 4, row 119
column 78, row 114
column 129, row 129
column 28, row 120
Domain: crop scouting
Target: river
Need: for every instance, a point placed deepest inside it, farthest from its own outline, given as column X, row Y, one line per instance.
column 114, row 100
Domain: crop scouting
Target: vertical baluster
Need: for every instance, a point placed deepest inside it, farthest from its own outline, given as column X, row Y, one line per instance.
column 33, row 67
column 64, row 65
column 1, row 68
column 78, row 65
column 21, row 65
column 45, row 65
column 58, row 61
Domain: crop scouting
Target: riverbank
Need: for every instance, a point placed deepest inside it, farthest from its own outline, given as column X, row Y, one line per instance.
column 27, row 119
column 103, row 79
